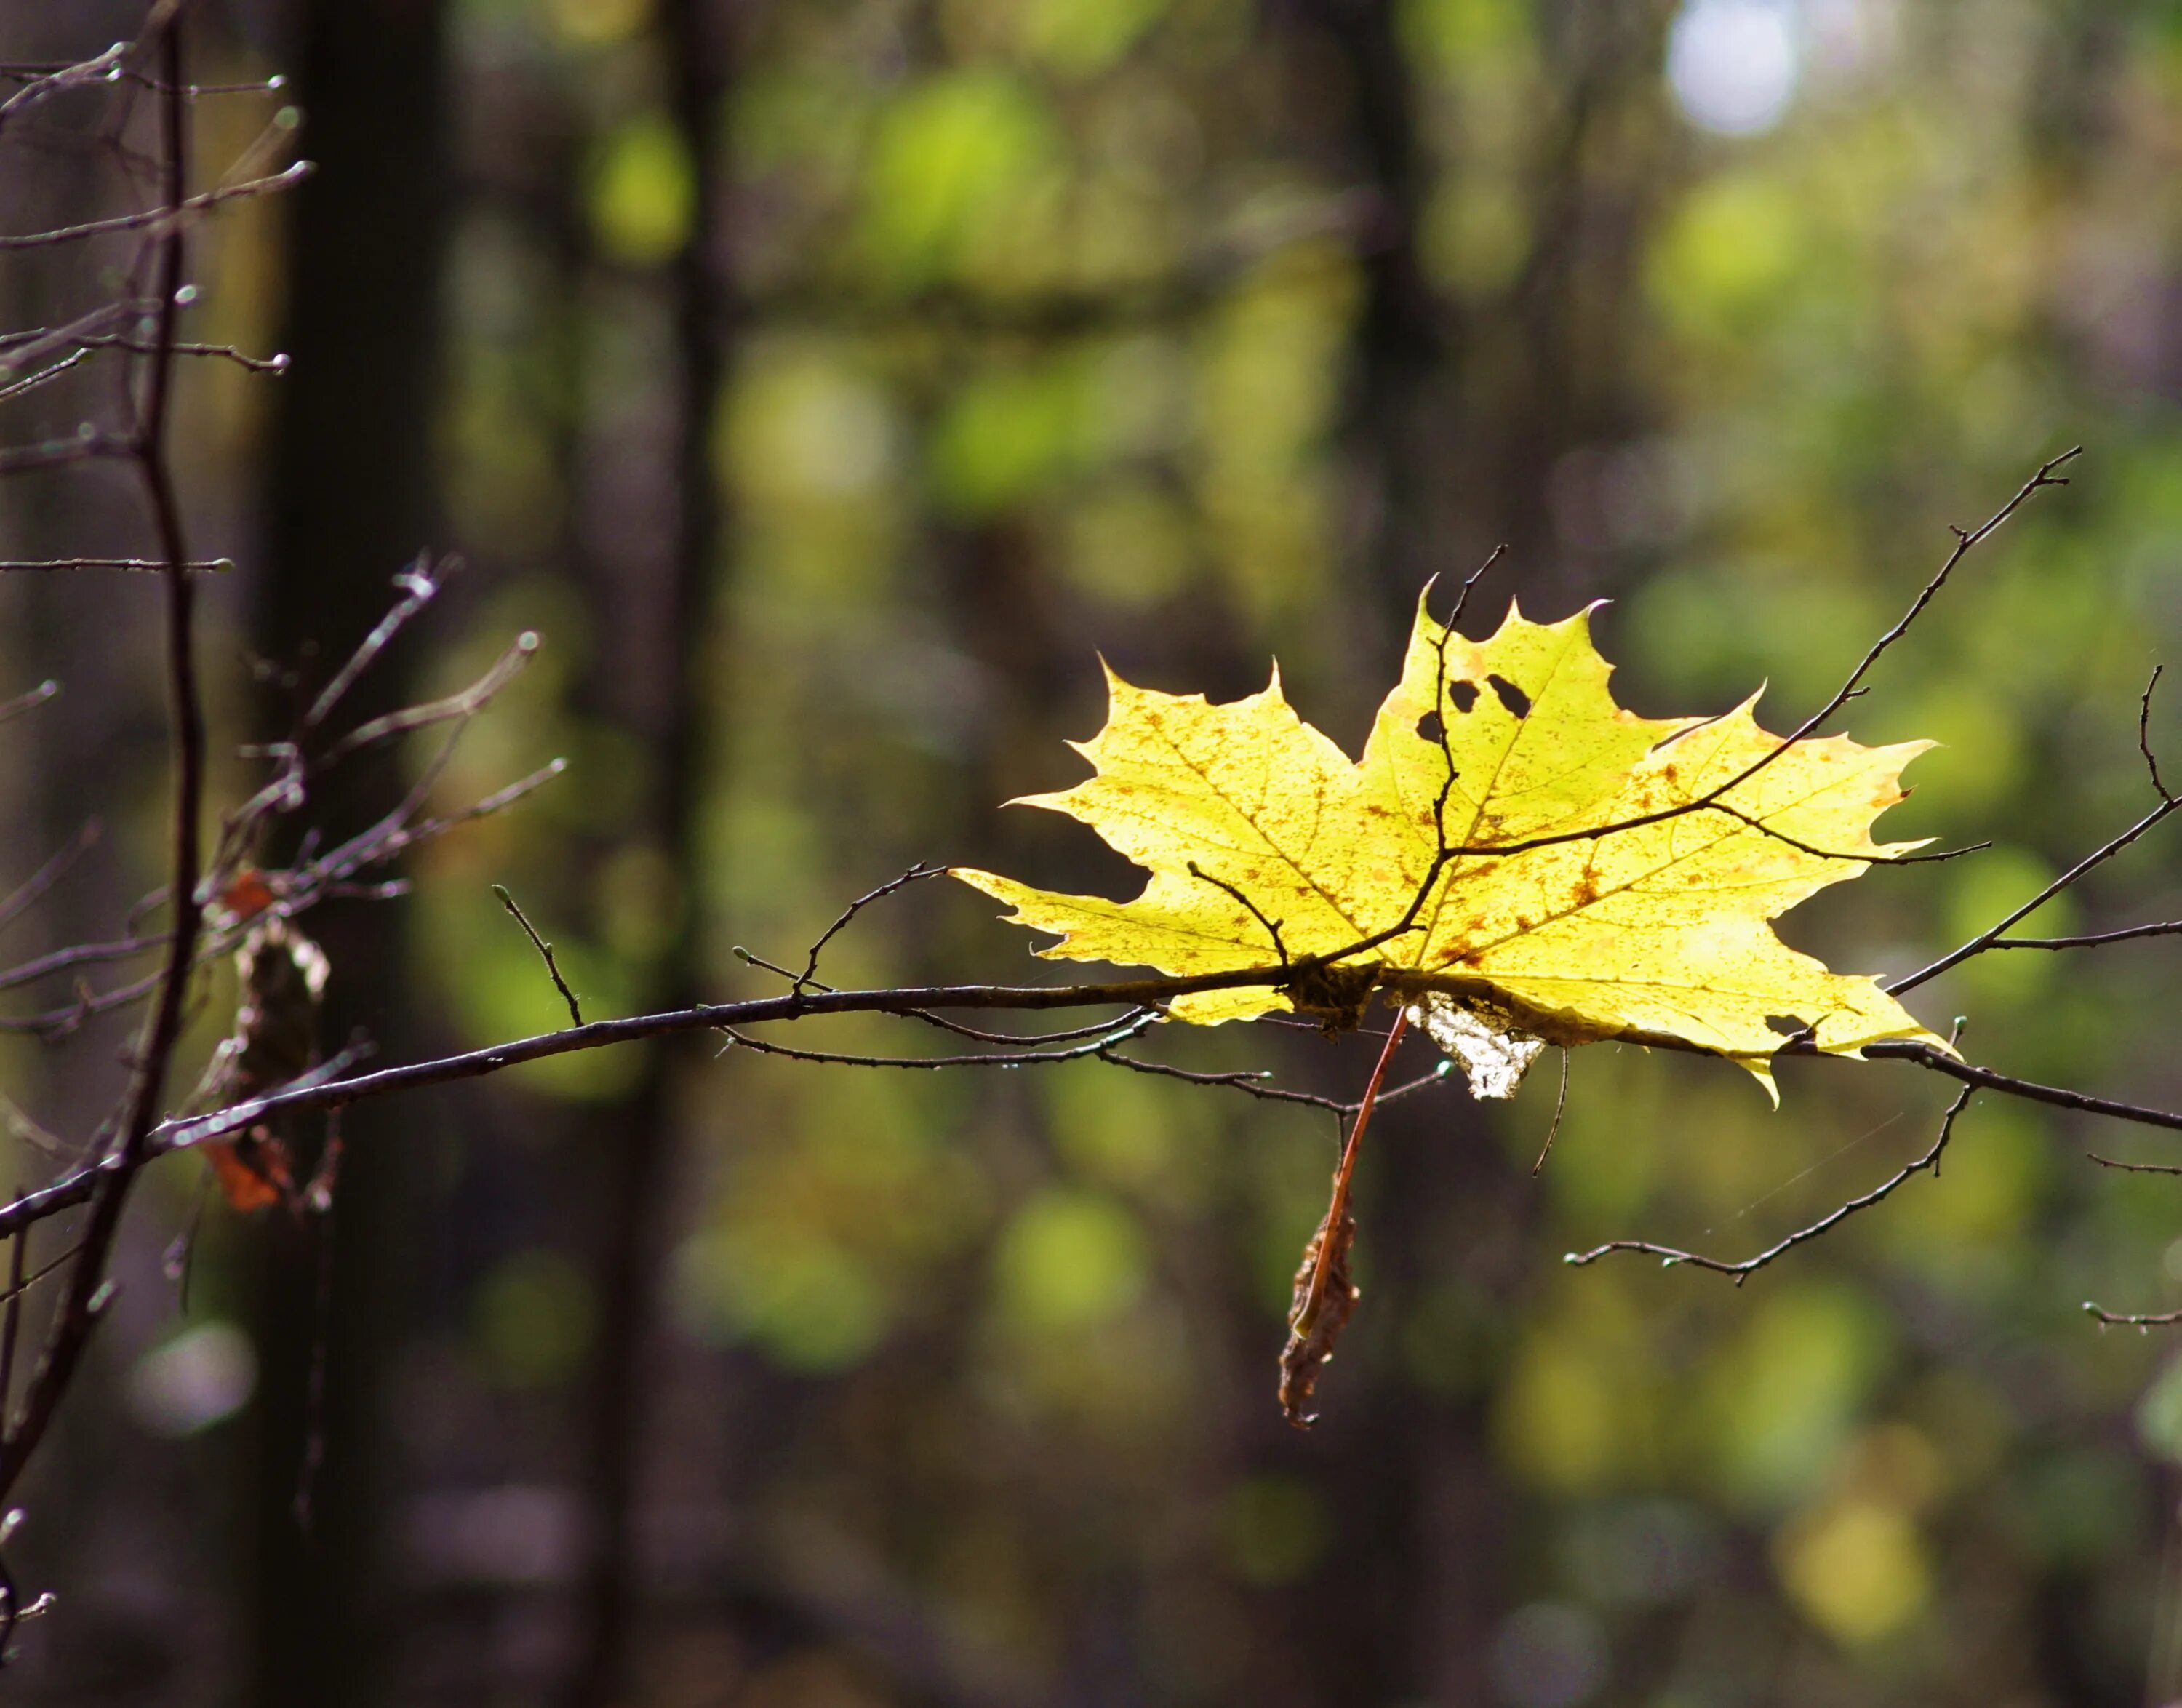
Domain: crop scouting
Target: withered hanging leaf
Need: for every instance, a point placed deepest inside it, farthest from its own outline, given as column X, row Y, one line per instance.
column 1325, row 1299
column 282, row 978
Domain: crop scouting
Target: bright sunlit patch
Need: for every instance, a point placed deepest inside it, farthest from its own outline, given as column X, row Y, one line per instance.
column 1734, row 64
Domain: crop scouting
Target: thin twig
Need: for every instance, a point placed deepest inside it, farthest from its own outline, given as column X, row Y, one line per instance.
column 38, row 883
column 807, row 978
column 1560, row 1107
column 2118, row 1319
column 265, row 85
column 275, row 364
column 44, row 376
column 1477, row 575
column 1984, row 940
column 11, row 1322
column 142, row 566
column 23, row 702
column 1872, row 857
column 1272, row 926
column 463, row 706
column 2165, row 927
column 2135, row 1167
column 29, row 344
column 545, row 953
column 61, row 78
column 1249, row 1080
column 2144, row 734
column 417, row 585
column 749, row 959
column 1013, row 1058
column 170, row 216
column 77, row 955
column 1741, row 1271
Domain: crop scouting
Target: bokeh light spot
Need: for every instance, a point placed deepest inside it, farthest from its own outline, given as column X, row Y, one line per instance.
column 202, row 1376
column 1734, row 64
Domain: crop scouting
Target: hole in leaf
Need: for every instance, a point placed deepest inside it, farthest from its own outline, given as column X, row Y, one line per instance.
column 1514, row 698
column 1462, row 694
column 1429, row 727
column 1787, row 1025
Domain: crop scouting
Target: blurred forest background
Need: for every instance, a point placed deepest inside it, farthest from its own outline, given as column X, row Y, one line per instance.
column 829, row 383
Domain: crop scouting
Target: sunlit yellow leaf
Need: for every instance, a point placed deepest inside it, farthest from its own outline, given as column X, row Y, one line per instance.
column 1650, row 932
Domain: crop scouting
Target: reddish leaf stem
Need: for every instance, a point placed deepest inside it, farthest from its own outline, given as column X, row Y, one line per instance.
column 1338, row 1207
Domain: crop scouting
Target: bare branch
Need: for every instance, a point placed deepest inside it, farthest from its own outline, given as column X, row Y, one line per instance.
column 1748, row 1267
column 807, row 978
column 464, row 706
column 545, row 953
column 906, row 1001
column 2117, row 1319
column 1477, row 575
column 2135, row 1167
column 79, row 955
column 1986, row 1078
column 28, row 71
column 417, row 585
column 275, row 364
column 1248, row 1080
column 44, row 376
column 2144, row 734
column 1560, row 1107
column 22, row 702
column 142, row 566
column 1984, row 940
column 11, row 1321
column 163, row 219
column 38, row 882
column 1119, row 1034
column 1272, row 926
column 100, row 68
column 2168, row 928
column 1866, row 859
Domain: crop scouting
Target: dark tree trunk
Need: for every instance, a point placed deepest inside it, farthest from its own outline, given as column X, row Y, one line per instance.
column 353, row 498
column 636, row 1141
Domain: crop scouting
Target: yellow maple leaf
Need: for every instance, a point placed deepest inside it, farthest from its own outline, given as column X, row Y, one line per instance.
column 1538, row 841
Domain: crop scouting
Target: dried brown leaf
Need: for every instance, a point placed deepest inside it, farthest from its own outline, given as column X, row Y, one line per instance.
column 1325, row 1299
